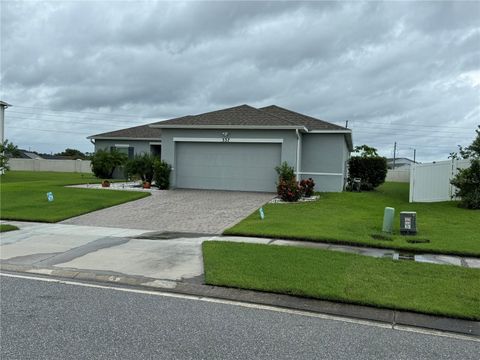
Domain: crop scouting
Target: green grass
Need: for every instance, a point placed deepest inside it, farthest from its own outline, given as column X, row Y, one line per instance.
column 356, row 218
column 426, row 288
column 7, row 227
column 23, row 196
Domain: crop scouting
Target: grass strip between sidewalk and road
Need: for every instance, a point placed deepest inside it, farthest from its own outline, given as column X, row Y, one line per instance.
column 7, row 227
column 356, row 219
column 329, row 275
column 23, row 196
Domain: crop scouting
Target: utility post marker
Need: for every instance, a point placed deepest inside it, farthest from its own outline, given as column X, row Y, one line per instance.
column 394, row 152
column 3, row 106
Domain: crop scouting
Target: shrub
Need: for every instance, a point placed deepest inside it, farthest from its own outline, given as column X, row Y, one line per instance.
column 289, row 191
column 467, row 183
column 285, row 172
column 141, row 166
column 162, row 171
column 308, row 186
column 372, row 171
column 7, row 150
column 104, row 162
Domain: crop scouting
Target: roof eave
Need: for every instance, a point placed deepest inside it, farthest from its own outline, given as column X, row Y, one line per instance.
column 247, row 127
column 331, row 131
column 121, row 138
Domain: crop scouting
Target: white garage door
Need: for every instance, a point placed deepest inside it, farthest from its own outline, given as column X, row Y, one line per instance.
column 227, row 166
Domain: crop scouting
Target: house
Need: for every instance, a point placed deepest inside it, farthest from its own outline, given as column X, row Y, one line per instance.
column 238, row 148
column 400, row 162
column 25, row 154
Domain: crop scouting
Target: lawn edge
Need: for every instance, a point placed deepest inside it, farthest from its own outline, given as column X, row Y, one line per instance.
column 344, row 302
column 385, row 245
column 7, row 228
column 53, row 221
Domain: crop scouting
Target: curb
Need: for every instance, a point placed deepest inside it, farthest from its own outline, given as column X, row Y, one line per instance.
column 392, row 317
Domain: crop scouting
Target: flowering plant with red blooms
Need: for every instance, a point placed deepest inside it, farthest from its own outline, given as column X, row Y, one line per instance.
column 307, row 186
column 290, row 190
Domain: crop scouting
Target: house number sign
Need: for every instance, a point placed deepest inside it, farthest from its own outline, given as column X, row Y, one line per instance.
column 225, row 137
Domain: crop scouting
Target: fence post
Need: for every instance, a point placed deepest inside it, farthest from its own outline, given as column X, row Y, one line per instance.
column 412, row 182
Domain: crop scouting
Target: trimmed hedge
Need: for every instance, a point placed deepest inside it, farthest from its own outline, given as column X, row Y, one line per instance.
column 372, row 171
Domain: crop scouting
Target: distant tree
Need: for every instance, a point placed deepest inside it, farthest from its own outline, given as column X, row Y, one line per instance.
column 73, row 153
column 365, row 151
column 467, row 181
column 7, row 150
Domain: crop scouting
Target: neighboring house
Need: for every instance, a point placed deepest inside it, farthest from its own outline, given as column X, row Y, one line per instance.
column 399, row 162
column 238, row 148
column 25, row 154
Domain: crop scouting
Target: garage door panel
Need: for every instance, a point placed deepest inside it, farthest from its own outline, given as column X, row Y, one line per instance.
column 227, row 166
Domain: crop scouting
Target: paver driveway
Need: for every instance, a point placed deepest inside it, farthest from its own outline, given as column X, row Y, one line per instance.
column 199, row 211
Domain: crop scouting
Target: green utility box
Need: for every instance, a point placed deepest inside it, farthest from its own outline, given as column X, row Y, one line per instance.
column 388, row 216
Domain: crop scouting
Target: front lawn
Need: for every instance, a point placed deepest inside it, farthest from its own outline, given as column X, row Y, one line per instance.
column 7, row 227
column 23, row 196
column 427, row 288
column 356, row 218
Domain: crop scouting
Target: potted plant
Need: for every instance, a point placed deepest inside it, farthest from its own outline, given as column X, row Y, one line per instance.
column 105, row 183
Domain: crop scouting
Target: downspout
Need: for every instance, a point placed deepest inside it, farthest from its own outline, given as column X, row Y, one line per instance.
column 298, row 154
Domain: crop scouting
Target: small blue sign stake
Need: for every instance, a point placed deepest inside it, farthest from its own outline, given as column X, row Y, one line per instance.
column 262, row 214
column 50, row 196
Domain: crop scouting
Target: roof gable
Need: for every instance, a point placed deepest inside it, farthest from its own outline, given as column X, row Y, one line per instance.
column 243, row 115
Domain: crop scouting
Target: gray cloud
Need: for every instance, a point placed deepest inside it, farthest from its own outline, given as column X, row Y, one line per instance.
column 405, row 72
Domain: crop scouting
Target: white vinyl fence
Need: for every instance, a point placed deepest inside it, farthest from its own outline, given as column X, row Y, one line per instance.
column 399, row 175
column 431, row 182
column 78, row 166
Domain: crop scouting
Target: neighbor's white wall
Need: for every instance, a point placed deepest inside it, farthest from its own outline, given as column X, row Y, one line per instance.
column 399, row 175
column 79, row 166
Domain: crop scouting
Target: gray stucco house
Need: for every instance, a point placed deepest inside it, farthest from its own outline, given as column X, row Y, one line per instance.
column 238, row 148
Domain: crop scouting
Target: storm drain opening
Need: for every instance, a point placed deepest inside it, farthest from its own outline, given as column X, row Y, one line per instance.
column 404, row 256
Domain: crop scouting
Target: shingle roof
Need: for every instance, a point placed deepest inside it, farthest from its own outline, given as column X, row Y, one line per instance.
column 140, row 132
column 309, row 122
column 243, row 115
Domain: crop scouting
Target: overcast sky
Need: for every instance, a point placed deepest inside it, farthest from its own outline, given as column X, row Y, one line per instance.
column 397, row 71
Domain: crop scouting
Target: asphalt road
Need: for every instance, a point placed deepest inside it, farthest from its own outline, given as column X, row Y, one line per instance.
column 52, row 320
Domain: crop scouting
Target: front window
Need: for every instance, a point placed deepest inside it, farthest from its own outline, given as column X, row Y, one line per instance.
column 124, row 149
